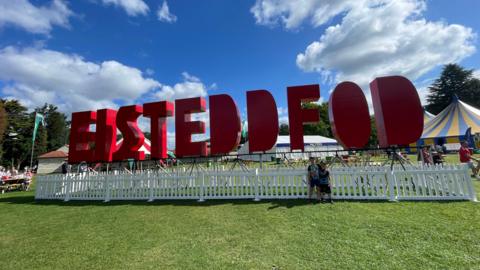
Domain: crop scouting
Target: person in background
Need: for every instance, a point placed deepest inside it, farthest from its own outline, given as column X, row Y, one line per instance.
column 28, row 179
column 324, row 177
column 64, row 167
column 427, row 158
column 465, row 155
column 313, row 178
column 83, row 167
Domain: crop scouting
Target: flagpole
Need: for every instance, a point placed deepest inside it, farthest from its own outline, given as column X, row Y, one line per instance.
column 31, row 155
column 33, row 141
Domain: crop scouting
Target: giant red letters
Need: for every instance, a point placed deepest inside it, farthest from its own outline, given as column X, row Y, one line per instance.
column 398, row 111
column 225, row 125
column 262, row 118
column 398, row 114
column 297, row 116
column 81, row 138
column 184, row 128
column 133, row 137
column 349, row 116
column 158, row 113
column 106, row 135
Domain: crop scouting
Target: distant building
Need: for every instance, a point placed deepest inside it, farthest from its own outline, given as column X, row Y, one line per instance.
column 317, row 145
column 51, row 162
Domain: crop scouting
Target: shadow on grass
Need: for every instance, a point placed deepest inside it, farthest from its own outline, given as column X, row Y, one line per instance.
column 272, row 204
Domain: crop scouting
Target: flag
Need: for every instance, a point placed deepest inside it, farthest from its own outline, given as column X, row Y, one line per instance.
column 39, row 119
column 244, row 130
column 469, row 138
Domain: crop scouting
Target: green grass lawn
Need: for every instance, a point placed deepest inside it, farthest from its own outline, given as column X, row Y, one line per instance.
column 283, row 234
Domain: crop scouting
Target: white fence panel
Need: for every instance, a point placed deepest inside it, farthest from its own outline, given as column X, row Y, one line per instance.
column 434, row 183
column 357, row 183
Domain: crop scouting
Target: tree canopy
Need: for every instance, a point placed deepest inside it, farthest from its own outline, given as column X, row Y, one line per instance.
column 16, row 140
column 454, row 80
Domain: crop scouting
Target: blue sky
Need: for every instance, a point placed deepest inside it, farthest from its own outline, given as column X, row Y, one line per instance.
column 89, row 54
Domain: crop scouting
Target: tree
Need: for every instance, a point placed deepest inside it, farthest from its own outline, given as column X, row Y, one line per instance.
column 18, row 139
column 3, row 125
column 56, row 125
column 322, row 128
column 373, row 140
column 454, row 80
column 284, row 129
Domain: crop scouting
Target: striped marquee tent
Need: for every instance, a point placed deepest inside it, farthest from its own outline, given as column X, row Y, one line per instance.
column 427, row 116
column 451, row 124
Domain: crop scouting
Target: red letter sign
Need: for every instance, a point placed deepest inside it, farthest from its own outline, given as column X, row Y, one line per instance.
column 133, row 137
column 225, row 126
column 81, row 137
column 106, row 137
column 349, row 116
column 184, row 128
column 298, row 116
column 262, row 120
column 158, row 113
column 398, row 111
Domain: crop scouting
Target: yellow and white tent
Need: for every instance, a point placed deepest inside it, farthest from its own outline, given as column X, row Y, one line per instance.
column 427, row 116
column 453, row 121
column 450, row 125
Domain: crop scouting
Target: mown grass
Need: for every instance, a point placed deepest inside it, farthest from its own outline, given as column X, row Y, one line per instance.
column 283, row 234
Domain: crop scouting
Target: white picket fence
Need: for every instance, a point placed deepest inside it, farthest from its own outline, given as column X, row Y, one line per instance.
column 451, row 182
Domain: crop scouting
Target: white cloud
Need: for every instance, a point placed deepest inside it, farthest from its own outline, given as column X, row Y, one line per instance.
column 373, row 38
column 292, row 13
column 282, row 115
column 36, row 76
column 149, row 71
column 386, row 39
column 476, row 74
column 164, row 14
column 190, row 87
column 34, row 19
column 132, row 7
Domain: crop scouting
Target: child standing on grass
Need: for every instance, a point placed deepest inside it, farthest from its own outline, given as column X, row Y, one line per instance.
column 324, row 179
column 313, row 178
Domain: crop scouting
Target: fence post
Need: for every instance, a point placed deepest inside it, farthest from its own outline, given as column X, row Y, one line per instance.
column 150, row 187
column 107, row 191
column 472, row 195
column 257, row 179
column 391, row 185
column 202, row 186
column 67, row 188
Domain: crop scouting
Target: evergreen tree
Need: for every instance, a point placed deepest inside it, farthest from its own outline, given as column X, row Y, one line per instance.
column 3, row 125
column 454, row 80
column 18, row 140
column 56, row 127
column 284, row 129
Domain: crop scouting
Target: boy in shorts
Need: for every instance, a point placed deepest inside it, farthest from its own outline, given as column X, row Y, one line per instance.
column 324, row 179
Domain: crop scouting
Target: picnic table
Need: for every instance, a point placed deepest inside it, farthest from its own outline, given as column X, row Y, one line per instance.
column 14, row 183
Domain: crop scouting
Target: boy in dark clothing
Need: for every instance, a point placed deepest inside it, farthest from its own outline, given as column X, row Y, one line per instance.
column 324, row 179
